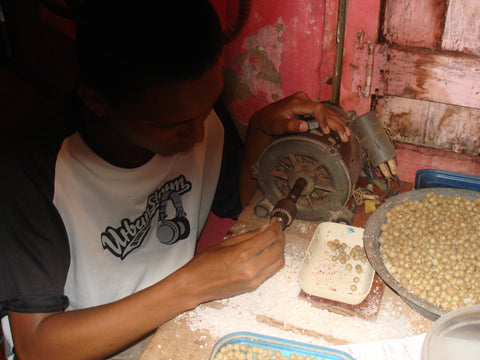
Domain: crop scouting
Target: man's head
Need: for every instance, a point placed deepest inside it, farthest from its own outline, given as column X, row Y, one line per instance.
column 125, row 46
column 152, row 72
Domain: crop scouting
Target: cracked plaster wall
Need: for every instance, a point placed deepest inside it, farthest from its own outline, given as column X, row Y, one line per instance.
column 279, row 52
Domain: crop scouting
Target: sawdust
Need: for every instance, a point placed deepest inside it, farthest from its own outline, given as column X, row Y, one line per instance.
column 275, row 309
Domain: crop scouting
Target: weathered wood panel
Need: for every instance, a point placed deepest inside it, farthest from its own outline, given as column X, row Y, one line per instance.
column 416, row 23
column 430, row 124
column 425, row 75
column 462, row 27
column 438, row 77
column 412, row 158
column 363, row 24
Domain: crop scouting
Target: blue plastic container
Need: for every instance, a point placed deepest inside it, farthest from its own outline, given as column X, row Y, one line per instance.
column 285, row 347
column 431, row 178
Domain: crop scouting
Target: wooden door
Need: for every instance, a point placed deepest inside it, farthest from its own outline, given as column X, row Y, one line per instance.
column 422, row 74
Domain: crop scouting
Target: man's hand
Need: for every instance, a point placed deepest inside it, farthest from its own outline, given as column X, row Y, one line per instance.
column 236, row 265
column 281, row 117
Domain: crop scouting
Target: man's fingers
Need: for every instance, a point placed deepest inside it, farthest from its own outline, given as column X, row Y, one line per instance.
column 257, row 239
column 329, row 120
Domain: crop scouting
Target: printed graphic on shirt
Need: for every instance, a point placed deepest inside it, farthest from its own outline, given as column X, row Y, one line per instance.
column 122, row 240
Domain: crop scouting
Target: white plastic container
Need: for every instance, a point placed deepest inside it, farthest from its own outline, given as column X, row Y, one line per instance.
column 323, row 276
column 454, row 336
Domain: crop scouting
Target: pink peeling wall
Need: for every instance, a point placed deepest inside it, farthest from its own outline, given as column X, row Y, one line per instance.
column 289, row 46
column 279, row 52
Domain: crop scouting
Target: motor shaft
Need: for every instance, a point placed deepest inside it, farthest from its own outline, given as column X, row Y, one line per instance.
column 286, row 209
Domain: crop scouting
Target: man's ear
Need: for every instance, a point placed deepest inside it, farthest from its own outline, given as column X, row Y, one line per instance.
column 94, row 101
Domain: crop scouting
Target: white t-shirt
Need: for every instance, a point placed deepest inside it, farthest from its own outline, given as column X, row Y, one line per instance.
column 129, row 228
column 123, row 229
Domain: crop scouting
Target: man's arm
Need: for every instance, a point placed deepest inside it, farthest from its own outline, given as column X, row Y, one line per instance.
column 234, row 266
column 281, row 118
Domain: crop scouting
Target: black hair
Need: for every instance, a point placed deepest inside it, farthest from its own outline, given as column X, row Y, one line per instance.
column 124, row 46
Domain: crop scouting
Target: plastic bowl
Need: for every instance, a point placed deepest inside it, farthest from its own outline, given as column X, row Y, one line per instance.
column 454, row 336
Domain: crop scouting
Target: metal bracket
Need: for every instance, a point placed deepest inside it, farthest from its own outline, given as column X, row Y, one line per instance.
column 369, row 65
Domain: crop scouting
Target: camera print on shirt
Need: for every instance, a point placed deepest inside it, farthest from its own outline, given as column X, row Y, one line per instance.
column 122, row 240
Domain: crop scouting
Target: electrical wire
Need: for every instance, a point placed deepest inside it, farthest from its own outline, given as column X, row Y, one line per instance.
column 399, row 185
column 244, row 8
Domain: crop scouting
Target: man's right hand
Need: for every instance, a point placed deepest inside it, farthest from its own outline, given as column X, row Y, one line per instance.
column 236, row 265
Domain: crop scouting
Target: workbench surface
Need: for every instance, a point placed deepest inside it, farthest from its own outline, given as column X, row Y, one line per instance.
column 276, row 309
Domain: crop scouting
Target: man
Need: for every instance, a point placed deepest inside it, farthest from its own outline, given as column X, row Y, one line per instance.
column 99, row 220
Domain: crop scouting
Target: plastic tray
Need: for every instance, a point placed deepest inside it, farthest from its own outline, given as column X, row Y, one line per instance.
column 319, row 275
column 286, row 347
column 430, row 178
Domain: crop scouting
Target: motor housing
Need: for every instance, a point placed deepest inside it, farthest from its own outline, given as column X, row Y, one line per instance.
column 330, row 167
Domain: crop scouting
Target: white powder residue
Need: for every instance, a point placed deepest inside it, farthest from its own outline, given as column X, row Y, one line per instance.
column 275, row 309
column 332, row 275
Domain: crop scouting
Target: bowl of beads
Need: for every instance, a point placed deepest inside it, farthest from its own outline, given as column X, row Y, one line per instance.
column 425, row 245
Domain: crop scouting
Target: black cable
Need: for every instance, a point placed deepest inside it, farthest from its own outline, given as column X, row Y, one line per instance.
column 399, row 185
column 244, row 8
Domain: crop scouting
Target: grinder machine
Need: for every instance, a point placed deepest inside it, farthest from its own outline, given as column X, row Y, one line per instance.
column 311, row 176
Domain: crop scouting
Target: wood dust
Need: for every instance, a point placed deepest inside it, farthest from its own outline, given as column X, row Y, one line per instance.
column 275, row 309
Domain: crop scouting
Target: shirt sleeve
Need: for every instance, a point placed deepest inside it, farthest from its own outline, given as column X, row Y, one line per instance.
column 34, row 250
column 226, row 202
